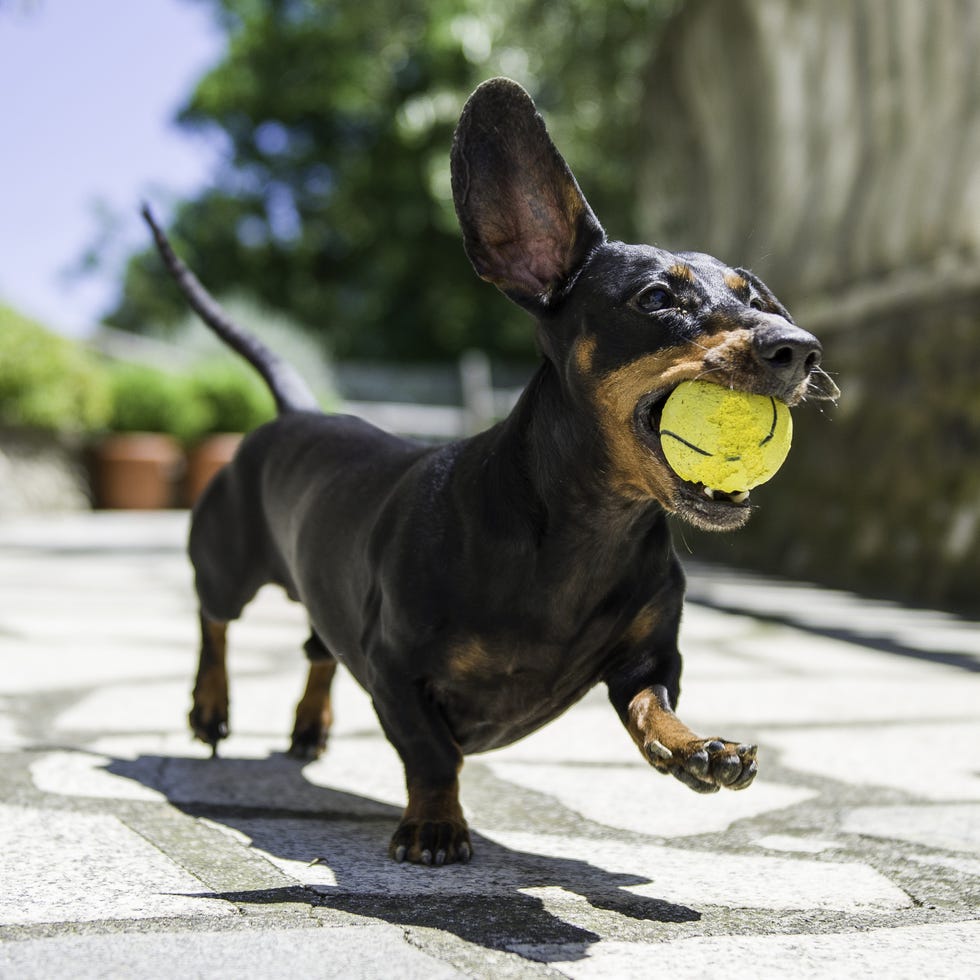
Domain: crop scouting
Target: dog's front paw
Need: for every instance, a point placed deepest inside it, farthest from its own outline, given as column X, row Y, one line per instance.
column 434, row 842
column 705, row 765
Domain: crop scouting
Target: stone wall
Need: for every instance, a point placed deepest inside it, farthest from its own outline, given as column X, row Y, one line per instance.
column 835, row 149
column 41, row 472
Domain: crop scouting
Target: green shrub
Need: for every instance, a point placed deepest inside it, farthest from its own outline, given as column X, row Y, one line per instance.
column 233, row 398
column 47, row 381
column 145, row 399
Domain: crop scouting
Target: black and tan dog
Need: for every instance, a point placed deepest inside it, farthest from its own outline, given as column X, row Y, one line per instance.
column 478, row 589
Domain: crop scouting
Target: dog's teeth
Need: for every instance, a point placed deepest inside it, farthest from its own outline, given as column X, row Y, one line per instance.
column 740, row 497
column 708, row 492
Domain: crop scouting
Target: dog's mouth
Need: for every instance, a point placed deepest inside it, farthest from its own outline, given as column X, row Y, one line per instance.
column 706, row 507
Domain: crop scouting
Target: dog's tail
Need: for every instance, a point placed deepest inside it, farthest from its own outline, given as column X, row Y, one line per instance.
column 289, row 390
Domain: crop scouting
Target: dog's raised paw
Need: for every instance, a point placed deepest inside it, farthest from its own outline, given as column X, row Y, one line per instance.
column 707, row 765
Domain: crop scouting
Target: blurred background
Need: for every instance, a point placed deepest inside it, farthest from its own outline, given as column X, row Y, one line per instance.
column 297, row 151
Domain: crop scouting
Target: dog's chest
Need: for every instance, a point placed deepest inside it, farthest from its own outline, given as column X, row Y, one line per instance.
column 496, row 691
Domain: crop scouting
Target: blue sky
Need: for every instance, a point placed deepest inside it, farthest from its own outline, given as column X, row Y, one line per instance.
column 88, row 93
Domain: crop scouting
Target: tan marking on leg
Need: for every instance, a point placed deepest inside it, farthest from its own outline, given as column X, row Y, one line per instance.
column 217, row 635
column 433, row 829
column 426, row 802
column 314, row 713
column 651, row 719
column 702, row 764
column 209, row 713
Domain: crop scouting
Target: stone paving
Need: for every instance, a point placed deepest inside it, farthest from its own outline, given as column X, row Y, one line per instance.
column 127, row 852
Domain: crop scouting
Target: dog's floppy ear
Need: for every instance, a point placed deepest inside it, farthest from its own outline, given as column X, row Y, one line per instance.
column 526, row 226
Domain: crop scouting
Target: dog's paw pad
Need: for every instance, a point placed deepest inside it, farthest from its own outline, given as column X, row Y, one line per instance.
column 693, row 782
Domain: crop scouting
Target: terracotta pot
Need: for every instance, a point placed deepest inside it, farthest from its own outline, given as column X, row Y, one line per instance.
column 205, row 459
column 137, row 470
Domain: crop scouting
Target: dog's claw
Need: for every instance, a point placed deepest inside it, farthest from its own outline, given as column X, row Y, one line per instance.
column 431, row 842
column 748, row 774
column 658, row 750
column 715, row 746
column 747, row 752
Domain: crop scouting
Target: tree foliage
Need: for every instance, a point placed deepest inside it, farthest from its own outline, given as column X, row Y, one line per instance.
column 334, row 202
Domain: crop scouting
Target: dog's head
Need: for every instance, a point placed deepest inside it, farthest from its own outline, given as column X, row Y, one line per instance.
column 622, row 324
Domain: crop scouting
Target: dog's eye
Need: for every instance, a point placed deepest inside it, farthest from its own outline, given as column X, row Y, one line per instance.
column 653, row 299
column 756, row 304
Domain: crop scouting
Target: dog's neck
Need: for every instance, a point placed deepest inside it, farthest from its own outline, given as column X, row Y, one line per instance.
column 542, row 471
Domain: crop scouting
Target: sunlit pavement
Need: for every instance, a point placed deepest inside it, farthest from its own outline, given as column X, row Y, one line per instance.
column 127, row 852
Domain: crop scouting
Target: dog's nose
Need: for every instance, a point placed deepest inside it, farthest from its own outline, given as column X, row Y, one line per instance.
column 789, row 352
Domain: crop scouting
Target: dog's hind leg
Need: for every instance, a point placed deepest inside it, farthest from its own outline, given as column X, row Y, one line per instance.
column 228, row 571
column 209, row 713
column 314, row 713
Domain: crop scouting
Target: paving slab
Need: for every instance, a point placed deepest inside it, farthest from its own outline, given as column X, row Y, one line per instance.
column 951, row 827
column 659, row 807
column 128, row 851
column 74, row 867
column 901, row 954
column 937, row 760
column 345, row 953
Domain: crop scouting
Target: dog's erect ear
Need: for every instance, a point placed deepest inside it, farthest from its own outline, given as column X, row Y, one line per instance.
column 526, row 226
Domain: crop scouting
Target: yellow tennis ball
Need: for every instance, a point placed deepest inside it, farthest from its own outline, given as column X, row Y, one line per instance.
column 727, row 440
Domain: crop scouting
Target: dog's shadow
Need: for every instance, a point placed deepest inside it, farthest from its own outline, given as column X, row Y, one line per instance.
column 485, row 902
